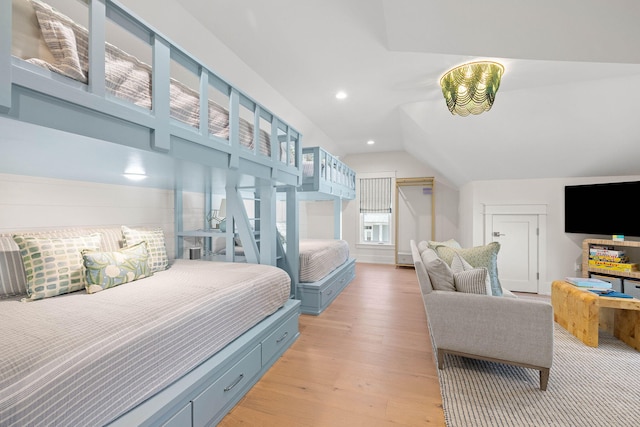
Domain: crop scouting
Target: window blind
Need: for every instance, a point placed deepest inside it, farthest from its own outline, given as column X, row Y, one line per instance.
column 375, row 195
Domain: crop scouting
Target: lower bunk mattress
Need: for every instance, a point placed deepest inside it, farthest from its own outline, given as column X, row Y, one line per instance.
column 85, row 359
column 319, row 257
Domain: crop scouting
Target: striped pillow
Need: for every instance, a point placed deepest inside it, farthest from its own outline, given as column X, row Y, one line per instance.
column 12, row 281
column 472, row 281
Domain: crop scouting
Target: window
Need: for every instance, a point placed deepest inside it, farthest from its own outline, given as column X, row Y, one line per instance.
column 375, row 210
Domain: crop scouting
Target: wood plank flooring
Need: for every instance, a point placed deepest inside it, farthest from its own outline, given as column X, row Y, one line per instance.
column 365, row 361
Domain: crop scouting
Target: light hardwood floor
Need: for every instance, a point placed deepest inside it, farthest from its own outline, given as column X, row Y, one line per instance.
column 365, row 361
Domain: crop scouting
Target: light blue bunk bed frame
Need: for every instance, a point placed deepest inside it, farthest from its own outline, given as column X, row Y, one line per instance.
column 325, row 185
column 34, row 95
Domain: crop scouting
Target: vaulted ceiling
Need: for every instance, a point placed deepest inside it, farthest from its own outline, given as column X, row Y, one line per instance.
column 568, row 104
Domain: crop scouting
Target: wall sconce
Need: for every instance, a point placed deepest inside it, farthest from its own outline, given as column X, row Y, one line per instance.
column 471, row 88
column 217, row 216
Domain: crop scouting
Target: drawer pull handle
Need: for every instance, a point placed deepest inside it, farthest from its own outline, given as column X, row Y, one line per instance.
column 637, row 286
column 235, row 383
column 279, row 340
column 330, row 292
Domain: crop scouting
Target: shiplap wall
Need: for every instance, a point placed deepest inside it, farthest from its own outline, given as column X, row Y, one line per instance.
column 30, row 203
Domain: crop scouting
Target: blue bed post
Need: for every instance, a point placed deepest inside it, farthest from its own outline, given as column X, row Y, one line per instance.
column 293, row 236
column 5, row 55
column 177, row 210
column 267, row 223
column 337, row 218
column 97, row 13
column 160, row 98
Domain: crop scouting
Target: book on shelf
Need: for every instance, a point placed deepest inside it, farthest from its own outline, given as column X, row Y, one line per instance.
column 601, row 247
column 588, row 282
column 609, row 293
column 623, row 259
column 606, row 252
column 617, row 266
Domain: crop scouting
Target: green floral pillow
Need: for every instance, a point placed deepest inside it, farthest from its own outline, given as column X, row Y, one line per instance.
column 451, row 243
column 478, row 256
column 108, row 269
column 53, row 266
column 158, row 258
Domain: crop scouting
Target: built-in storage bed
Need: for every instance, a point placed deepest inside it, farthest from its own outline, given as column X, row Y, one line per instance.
column 147, row 352
column 197, row 335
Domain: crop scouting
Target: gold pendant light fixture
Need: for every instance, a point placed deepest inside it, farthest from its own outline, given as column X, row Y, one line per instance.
column 471, row 88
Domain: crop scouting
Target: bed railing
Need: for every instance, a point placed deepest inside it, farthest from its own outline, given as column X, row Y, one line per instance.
column 326, row 174
column 34, row 94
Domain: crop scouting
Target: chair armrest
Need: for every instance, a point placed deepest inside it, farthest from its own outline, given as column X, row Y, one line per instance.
column 513, row 329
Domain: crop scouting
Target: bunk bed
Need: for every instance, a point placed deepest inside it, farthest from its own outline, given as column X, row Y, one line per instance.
column 322, row 268
column 325, row 267
column 73, row 80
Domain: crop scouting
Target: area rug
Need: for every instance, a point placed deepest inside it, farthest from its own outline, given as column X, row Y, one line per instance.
column 587, row 387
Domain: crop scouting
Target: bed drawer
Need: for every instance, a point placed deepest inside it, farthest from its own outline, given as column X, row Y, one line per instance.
column 279, row 339
column 231, row 384
column 182, row 418
column 331, row 291
column 337, row 285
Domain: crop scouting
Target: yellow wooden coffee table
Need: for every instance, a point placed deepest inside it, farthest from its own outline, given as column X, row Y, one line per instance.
column 583, row 313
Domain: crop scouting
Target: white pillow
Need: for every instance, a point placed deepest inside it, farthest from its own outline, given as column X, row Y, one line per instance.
column 439, row 272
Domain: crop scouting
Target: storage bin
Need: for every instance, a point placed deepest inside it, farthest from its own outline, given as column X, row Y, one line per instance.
column 616, row 282
column 631, row 287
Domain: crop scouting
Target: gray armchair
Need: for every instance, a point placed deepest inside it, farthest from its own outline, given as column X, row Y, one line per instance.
column 507, row 330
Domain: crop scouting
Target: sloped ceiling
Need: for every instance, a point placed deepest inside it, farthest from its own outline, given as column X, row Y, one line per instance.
column 567, row 106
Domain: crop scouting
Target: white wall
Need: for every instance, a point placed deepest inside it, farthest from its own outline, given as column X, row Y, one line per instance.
column 30, row 203
column 562, row 249
column 316, row 220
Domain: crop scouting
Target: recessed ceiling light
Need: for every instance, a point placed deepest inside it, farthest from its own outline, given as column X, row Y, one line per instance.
column 370, row 142
column 341, row 95
column 134, row 176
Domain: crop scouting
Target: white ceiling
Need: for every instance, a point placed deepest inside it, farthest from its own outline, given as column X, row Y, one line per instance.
column 568, row 105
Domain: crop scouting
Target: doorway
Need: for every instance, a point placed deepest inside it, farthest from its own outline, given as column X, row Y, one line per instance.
column 414, row 215
column 521, row 231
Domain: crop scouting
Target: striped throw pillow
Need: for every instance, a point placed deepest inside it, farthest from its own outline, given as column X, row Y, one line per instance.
column 472, row 281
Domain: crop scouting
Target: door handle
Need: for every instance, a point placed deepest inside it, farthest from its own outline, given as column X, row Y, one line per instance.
column 497, row 234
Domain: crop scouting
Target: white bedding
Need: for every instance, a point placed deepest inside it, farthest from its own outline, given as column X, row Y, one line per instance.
column 319, row 257
column 84, row 359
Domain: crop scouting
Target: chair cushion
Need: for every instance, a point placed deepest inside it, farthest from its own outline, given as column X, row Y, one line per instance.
column 439, row 272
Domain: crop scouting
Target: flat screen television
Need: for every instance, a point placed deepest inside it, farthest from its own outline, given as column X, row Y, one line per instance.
column 602, row 208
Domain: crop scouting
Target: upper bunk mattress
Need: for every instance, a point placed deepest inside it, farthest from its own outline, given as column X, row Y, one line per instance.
column 319, row 257
column 113, row 349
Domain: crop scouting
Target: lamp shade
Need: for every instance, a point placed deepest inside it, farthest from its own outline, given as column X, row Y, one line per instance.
column 471, row 88
column 222, row 212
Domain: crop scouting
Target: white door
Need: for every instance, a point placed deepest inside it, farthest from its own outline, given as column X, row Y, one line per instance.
column 518, row 256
